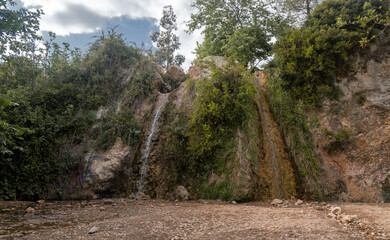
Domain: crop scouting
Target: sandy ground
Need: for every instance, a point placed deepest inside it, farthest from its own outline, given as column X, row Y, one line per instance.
column 159, row 219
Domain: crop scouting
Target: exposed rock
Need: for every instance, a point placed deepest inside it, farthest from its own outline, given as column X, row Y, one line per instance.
column 356, row 168
column 335, row 210
column 102, row 209
column 299, row 202
column 234, row 202
column 101, row 167
column 348, row 218
column 277, row 202
column 142, row 196
column 41, row 201
column 181, row 193
column 108, row 202
column 30, row 210
column 176, row 74
column 331, row 215
column 93, row 230
column 202, row 69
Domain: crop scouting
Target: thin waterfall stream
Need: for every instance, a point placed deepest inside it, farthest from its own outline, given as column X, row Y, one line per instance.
column 160, row 105
column 266, row 127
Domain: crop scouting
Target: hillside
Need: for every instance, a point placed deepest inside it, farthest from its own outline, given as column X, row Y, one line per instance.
column 114, row 123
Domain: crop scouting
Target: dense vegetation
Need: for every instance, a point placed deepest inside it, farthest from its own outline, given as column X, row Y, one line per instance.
column 48, row 105
column 50, row 93
column 222, row 104
column 313, row 57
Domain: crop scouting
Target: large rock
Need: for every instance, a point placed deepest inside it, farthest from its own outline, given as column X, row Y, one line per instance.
column 159, row 83
column 176, row 74
column 202, row 68
column 101, row 168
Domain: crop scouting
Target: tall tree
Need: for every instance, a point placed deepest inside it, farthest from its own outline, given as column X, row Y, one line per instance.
column 234, row 27
column 167, row 41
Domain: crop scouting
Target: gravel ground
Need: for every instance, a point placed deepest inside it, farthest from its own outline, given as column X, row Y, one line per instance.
column 159, row 219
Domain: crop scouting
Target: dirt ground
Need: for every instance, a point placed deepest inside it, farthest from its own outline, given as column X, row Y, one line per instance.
column 159, row 219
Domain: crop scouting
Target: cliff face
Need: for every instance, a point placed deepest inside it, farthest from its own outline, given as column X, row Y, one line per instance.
column 353, row 137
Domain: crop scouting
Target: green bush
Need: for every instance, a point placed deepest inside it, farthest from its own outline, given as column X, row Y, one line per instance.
column 222, row 104
column 311, row 58
column 288, row 113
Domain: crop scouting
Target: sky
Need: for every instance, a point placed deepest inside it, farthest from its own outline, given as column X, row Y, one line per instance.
column 78, row 21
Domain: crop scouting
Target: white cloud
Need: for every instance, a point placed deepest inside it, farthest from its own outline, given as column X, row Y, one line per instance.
column 85, row 16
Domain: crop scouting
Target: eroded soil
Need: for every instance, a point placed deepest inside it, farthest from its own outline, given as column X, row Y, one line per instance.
column 159, row 219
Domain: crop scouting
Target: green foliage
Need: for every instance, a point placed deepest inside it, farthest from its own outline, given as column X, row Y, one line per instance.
column 312, row 57
column 113, row 125
column 342, row 136
column 48, row 103
column 222, row 104
column 294, row 127
column 360, row 98
column 227, row 24
column 298, row 7
column 220, row 190
column 248, row 44
column 167, row 41
column 18, row 29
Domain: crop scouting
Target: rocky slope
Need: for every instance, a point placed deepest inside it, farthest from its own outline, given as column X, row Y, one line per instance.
column 353, row 136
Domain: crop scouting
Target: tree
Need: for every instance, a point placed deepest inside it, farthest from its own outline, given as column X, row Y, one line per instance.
column 17, row 26
column 234, row 28
column 167, row 41
column 299, row 7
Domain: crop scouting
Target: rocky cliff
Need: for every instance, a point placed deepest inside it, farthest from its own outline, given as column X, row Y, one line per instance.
column 353, row 135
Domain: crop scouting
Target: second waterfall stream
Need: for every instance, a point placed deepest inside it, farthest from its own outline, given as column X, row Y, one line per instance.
column 160, row 105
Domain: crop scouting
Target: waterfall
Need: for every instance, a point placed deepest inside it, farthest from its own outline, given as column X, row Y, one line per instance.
column 161, row 102
column 269, row 137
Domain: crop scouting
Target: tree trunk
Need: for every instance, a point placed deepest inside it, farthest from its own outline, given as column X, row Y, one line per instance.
column 308, row 8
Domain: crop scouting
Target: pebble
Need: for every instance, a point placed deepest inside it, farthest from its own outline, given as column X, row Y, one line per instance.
column 30, row 210
column 335, row 210
column 108, row 202
column 93, row 230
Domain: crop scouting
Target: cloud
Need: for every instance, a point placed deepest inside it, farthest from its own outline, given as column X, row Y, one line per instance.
column 85, row 16
column 80, row 16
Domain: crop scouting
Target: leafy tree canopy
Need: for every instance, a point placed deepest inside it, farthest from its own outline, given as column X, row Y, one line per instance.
column 239, row 28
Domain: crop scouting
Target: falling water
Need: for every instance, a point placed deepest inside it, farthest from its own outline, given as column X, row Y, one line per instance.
column 162, row 100
column 266, row 127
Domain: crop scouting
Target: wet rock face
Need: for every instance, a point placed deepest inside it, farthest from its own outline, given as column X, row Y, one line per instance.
column 356, row 166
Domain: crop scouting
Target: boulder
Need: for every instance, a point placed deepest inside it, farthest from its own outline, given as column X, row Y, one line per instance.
column 101, row 168
column 176, row 74
column 159, row 83
column 201, row 69
column 181, row 193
